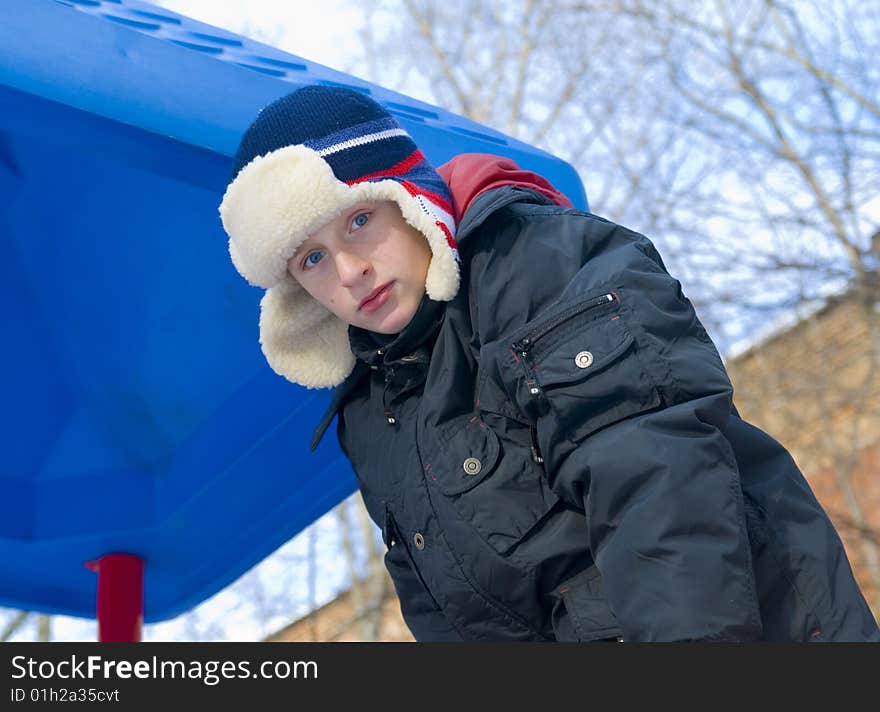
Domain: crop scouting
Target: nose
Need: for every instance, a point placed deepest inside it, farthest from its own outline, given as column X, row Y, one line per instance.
column 351, row 268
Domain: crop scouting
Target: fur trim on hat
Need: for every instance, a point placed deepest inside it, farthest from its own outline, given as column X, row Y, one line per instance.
column 275, row 202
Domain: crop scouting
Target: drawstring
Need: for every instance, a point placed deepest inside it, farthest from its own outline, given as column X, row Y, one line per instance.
column 389, row 374
column 389, row 415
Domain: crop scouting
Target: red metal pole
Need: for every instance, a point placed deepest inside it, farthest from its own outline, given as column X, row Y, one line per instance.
column 120, row 597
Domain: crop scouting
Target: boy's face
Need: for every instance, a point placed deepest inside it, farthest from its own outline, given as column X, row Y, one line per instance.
column 367, row 266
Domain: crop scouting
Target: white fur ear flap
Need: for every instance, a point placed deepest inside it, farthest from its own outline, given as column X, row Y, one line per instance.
column 301, row 339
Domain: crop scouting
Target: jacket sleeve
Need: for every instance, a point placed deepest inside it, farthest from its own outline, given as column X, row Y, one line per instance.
column 629, row 399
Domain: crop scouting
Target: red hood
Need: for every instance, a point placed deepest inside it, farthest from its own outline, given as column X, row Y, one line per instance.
column 470, row 174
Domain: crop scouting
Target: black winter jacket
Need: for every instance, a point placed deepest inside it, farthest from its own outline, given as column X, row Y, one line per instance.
column 555, row 455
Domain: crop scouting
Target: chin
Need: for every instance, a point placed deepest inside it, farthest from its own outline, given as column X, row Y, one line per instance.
column 393, row 323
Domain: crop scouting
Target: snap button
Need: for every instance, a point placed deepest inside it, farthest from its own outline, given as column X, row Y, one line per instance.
column 584, row 359
column 419, row 541
column 472, row 466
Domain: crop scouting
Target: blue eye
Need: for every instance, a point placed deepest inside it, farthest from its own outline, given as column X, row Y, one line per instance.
column 360, row 219
column 309, row 262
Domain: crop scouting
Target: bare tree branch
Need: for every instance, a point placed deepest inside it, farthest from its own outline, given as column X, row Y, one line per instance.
column 15, row 624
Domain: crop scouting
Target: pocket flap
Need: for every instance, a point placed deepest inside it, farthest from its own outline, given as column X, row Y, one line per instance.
column 476, row 448
column 587, row 607
column 581, row 352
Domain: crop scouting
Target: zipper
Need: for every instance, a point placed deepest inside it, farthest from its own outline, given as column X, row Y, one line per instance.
column 523, row 346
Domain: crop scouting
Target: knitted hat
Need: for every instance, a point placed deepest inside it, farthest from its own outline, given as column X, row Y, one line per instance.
column 306, row 158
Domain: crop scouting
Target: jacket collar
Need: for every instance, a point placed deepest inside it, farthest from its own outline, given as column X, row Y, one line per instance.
column 408, row 351
column 383, row 350
column 488, row 203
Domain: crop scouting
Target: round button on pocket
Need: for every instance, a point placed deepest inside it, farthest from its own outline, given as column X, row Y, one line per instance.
column 419, row 541
column 584, row 359
column 472, row 466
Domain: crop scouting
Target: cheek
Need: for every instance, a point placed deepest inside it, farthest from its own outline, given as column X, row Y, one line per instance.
column 319, row 294
column 416, row 256
column 421, row 257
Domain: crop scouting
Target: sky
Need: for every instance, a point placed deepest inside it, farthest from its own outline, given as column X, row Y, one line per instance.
column 318, row 31
column 272, row 593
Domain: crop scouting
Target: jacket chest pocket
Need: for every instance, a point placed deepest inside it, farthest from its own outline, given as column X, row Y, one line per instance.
column 580, row 367
column 502, row 495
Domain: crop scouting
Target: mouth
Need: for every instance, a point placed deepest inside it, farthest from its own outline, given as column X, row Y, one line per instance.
column 372, row 298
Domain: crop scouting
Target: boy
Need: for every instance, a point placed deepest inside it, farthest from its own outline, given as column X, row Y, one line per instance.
column 538, row 421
